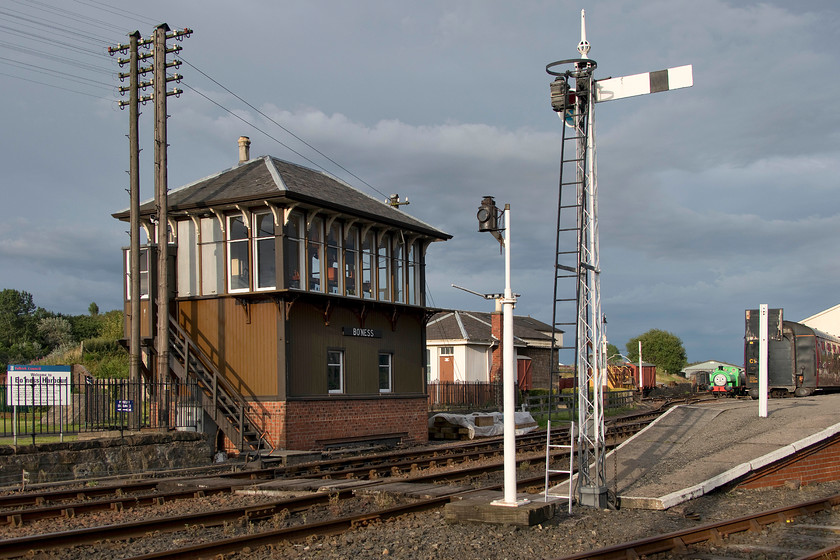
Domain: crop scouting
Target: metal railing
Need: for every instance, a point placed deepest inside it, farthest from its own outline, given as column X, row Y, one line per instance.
column 35, row 409
column 539, row 404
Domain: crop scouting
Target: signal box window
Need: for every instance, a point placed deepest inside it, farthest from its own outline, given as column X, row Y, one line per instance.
column 335, row 371
column 264, row 251
column 385, row 360
column 239, row 274
column 293, row 250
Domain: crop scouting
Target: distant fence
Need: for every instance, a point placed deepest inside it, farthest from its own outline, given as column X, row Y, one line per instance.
column 473, row 395
column 48, row 409
column 540, row 404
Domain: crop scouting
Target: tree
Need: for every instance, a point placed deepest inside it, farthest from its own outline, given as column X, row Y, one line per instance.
column 55, row 331
column 16, row 309
column 93, row 309
column 661, row 348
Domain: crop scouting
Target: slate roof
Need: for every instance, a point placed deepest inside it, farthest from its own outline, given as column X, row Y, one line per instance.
column 475, row 326
column 273, row 179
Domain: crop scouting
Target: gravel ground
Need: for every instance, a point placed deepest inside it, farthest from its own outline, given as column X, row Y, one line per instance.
column 428, row 536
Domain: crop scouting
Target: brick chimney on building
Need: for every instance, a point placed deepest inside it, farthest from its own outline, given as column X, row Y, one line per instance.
column 244, row 149
column 496, row 363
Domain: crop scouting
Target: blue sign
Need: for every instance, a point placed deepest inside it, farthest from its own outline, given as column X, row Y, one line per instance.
column 125, row 406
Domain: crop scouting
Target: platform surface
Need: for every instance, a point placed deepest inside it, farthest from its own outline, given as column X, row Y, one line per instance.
column 693, row 449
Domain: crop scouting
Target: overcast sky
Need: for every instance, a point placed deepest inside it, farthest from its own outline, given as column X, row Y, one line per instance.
column 713, row 199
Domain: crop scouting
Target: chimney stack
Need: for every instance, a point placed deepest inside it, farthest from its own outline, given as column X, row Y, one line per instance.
column 244, row 149
column 496, row 356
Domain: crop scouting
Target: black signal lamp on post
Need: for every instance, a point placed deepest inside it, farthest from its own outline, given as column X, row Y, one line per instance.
column 488, row 215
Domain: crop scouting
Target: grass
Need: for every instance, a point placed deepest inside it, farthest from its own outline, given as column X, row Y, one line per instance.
column 26, row 439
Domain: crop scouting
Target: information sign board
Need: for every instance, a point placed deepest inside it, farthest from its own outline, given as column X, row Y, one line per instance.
column 125, row 406
column 37, row 385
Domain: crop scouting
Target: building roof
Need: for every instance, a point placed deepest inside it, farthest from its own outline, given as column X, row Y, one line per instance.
column 271, row 179
column 475, row 327
column 708, row 365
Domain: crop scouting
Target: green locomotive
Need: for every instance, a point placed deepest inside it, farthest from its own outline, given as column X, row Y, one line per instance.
column 727, row 380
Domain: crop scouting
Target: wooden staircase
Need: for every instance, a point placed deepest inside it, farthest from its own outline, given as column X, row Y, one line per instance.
column 225, row 405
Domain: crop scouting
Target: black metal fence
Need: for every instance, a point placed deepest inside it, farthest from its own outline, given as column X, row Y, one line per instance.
column 35, row 409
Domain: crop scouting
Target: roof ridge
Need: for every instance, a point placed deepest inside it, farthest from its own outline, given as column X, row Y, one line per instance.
column 275, row 173
column 371, row 197
column 464, row 333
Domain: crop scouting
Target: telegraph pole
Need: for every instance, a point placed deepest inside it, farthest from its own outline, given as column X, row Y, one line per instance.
column 160, row 94
column 161, row 201
column 133, row 104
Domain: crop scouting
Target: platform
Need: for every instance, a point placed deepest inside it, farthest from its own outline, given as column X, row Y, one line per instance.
column 693, row 449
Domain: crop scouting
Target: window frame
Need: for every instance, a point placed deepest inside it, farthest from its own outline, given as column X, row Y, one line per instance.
column 369, row 258
column 334, row 246
column 341, row 371
column 144, row 274
column 294, row 235
column 256, row 252
column 229, row 244
column 384, row 268
column 390, row 372
column 318, row 245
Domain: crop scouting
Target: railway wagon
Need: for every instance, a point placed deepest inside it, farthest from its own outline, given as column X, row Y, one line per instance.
column 800, row 361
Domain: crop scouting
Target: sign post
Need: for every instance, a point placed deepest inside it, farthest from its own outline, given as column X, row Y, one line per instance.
column 762, row 360
column 28, row 385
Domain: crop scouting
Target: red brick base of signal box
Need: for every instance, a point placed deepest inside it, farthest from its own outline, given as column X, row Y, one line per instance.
column 308, row 424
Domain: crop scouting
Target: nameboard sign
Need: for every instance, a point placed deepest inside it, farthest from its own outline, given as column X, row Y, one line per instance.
column 364, row 333
column 28, row 385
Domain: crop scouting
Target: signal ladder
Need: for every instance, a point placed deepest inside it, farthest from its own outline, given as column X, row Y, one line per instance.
column 570, row 220
column 549, row 471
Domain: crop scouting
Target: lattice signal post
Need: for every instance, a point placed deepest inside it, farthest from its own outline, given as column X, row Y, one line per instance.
column 577, row 243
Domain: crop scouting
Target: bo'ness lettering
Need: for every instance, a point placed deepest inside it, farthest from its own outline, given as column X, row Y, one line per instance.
column 364, row 333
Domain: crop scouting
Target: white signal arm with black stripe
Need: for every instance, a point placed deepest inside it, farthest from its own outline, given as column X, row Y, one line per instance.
column 641, row 84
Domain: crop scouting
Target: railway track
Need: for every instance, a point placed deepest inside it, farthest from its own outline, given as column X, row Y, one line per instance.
column 485, row 456
column 23, row 546
column 807, row 530
column 463, row 462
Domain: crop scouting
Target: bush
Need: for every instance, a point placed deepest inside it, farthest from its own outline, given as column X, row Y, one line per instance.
column 101, row 346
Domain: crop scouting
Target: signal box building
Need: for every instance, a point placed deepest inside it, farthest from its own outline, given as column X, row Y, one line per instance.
column 297, row 303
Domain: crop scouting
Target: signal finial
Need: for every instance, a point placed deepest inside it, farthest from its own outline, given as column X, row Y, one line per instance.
column 583, row 46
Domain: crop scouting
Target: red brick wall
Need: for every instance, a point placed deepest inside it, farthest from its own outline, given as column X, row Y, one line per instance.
column 310, row 421
column 496, row 362
column 819, row 463
column 300, row 424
